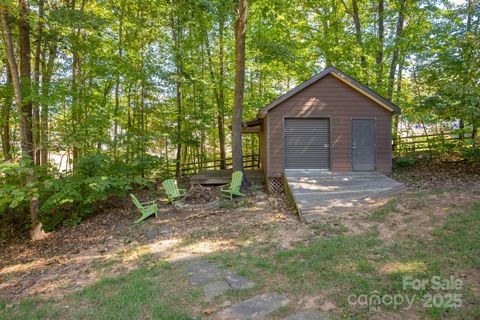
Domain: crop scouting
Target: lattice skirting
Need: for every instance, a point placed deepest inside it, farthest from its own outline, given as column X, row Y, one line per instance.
column 274, row 184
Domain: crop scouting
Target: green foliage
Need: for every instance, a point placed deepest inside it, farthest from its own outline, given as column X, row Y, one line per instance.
column 14, row 190
column 384, row 211
column 71, row 197
column 96, row 178
column 471, row 153
column 402, row 162
column 125, row 87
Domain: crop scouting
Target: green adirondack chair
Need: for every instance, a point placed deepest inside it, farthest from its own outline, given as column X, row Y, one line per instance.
column 172, row 190
column 233, row 188
column 145, row 208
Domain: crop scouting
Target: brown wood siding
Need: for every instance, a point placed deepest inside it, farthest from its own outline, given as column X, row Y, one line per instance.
column 333, row 99
column 263, row 146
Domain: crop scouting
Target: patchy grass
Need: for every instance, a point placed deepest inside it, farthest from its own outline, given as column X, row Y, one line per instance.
column 422, row 234
column 235, row 203
column 147, row 292
column 459, row 238
column 384, row 211
column 330, row 228
column 334, row 268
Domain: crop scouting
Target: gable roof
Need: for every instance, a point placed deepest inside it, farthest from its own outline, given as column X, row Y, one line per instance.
column 342, row 77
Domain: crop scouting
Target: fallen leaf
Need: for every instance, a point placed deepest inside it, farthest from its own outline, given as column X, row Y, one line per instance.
column 207, row 311
column 328, row 305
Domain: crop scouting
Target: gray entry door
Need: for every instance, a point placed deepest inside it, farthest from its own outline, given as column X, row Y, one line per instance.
column 364, row 147
column 307, row 143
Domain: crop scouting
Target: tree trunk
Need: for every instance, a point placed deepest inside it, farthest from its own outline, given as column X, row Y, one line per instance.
column 358, row 34
column 12, row 65
column 396, row 49
column 37, row 232
column 396, row 117
column 179, row 128
column 77, row 82
column 36, row 83
column 25, row 73
column 240, row 34
column 25, row 127
column 469, row 15
column 179, row 94
column 129, row 122
column 46, row 80
column 7, row 106
column 381, row 35
column 142, row 116
column 117, row 87
column 221, row 96
column 461, row 126
column 218, row 93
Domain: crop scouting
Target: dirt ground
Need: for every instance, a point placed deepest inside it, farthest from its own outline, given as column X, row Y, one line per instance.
column 109, row 243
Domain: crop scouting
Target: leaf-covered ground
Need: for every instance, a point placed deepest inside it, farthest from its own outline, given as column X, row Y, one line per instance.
column 442, row 175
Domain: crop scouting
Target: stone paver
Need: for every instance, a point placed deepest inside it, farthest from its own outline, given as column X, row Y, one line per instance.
column 205, row 276
column 198, row 265
column 257, row 307
column 215, row 288
column 238, row 282
column 307, row 315
column 213, row 280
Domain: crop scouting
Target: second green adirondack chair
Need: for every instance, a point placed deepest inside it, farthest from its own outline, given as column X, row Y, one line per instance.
column 233, row 188
column 145, row 208
column 172, row 190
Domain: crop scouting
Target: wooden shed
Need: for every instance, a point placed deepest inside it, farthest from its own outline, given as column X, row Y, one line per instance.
column 330, row 122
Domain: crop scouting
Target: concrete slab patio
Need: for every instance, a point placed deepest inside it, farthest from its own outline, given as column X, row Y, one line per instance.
column 319, row 193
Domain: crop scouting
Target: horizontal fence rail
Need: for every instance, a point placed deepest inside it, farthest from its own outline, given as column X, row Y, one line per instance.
column 249, row 162
column 432, row 144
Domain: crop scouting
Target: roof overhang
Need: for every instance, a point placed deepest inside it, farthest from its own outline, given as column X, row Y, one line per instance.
column 340, row 76
column 252, row 123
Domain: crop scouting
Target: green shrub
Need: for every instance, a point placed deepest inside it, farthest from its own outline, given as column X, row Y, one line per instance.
column 69, row 198
column 95, row 179
column 403, row 162
column 471, row 153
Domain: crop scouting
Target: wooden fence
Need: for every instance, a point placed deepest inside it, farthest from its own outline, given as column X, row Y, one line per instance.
column 249, row 162
column 429, row 144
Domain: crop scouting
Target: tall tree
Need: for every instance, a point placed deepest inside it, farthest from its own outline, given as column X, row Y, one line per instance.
column 240, row 35
column 177, row 38
column 25, row 73
column 354, row 12
column 36, row 82
column 117, row 81
column 381, row 35
column 396, row 47
column 25, row 130
column 24, row 109
column 47, row 72
column 5, row 116
column 221, row 90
